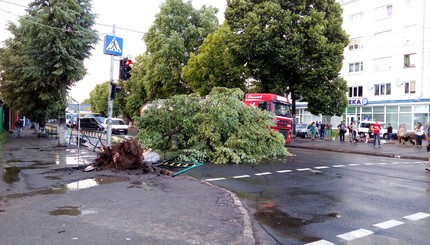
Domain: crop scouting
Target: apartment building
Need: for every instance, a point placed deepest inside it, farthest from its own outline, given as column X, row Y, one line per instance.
column 387, row 62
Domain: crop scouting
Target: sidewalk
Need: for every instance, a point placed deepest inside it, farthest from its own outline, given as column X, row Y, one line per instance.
column 386, row 150
column 46, row 198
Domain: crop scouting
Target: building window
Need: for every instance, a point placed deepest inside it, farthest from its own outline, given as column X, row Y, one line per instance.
column 410, row 87
column 409, row 60
column 355, row 67
column 382, row 89
column 355, row 19
column 382, row 64
column 355, row 91
column 384, row 12
column 354, row 44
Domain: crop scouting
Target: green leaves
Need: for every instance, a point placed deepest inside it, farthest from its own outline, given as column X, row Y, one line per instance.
column 219, row 126
column 45, row 56
column 292, row 46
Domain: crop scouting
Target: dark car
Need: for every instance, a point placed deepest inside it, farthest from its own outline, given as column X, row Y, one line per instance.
column 90, row 123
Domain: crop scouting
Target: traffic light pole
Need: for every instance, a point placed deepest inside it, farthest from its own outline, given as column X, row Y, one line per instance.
column 110, row 100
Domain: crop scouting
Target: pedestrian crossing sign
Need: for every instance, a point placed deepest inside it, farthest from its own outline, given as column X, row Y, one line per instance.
column 113, row 45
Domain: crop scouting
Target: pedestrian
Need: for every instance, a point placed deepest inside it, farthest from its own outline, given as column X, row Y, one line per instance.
column 342, row 130
column 428, row 143
column 350, row 133
column 419, row 132
column 401, row 133
column 390, row 134
column 353, row 132
column 313, row 128
column 322, row 130
column 328, row 128
column 376, row 130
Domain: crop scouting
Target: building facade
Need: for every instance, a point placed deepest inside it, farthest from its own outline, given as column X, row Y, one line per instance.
column 387, row 62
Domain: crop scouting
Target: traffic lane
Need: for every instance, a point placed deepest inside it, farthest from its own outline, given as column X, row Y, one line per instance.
column 345, row 196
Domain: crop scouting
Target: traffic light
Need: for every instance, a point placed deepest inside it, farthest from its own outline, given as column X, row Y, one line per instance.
column 114, row 89
column 124, row 69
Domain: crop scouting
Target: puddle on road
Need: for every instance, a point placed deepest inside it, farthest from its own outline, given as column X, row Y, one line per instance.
column 66, row 210
column 11, row 174
column 74, row 186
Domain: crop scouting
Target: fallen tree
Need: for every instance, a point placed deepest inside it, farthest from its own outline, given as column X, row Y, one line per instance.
column 126, row 155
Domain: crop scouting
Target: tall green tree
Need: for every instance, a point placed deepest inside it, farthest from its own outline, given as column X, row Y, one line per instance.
column 293, row 46
column 99, row 100
column 178, row 31
column 44, row 58
column 214, row 65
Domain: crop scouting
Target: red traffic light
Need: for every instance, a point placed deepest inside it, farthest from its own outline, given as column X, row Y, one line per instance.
column 128, row 62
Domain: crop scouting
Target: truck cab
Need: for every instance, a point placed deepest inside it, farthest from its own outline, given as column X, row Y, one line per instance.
column 278, row 105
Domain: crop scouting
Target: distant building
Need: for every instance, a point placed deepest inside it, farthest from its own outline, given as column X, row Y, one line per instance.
column 81, row 108
column 387, row 62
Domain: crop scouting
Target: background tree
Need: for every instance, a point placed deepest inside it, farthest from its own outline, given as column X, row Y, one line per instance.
column 292, row 46
column 99, row 100
column 44, row 58
column 219, row 128
column 178, row 31
column 214, row 65
column 134, row 90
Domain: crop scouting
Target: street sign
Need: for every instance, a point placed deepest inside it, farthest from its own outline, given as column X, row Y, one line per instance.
column 113, row 45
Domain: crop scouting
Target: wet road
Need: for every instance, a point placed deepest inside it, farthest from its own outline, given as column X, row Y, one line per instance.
column 331, row 198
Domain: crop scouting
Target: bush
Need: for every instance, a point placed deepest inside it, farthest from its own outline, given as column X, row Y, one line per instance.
column 219, row 127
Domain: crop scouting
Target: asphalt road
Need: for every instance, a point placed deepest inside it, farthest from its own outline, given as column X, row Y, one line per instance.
column 331, row 198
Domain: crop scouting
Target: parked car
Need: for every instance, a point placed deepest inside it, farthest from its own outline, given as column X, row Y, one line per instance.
column 363, row 129
column 302, row 130
column 118, row 126
column 90, row 123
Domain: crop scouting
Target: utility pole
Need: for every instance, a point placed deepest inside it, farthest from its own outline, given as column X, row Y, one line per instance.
column 110, row 100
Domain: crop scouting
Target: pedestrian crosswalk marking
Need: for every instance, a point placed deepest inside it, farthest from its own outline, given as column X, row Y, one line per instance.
column 114, row 46
column 389, row 224
column 321, row 167
column 284, row 171
column 320, row 242
column 241, row 176
column 265, row 173
column 417, row 216
column 355, row 234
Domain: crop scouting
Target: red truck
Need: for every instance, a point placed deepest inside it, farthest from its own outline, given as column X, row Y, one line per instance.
column 278, row 105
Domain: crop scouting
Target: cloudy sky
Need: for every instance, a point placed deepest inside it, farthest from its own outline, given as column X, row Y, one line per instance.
column 134, row 15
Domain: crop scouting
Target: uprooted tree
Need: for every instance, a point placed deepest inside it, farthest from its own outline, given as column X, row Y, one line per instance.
column 218, row 128
column 125, row 156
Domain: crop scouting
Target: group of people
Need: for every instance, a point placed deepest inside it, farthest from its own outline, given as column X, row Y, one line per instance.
column 320, row 129
column 374, row 132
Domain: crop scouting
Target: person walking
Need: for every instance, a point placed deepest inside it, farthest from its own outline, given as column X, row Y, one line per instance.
column 376, row 130
column 419, row 132
column 322, row 130
column 328, row 128
column 342, row 130
column 353, row 132
column 428, row 143
column 19, row 124
column 390, row 134
column 401, row 133
column 313, row 128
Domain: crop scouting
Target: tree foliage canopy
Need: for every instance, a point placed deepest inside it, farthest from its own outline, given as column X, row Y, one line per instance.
column 178, row 31
column 45, row 56
column 214, row 65
column 219, row 126
column 292, row 46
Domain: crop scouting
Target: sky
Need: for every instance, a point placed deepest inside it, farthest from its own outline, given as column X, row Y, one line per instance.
column 134, row 15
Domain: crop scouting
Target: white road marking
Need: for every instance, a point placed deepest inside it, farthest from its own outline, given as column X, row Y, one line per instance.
column 338, row 166
column 284, row 171
column 417, row 216
column 241, row 176
column 265, row 173
column 369, row 163
column 320, row 242
column 354, row 164
column 321, row 167
column 215, row 179
column 355, row 234
column 303, row 169
column 382, row 163
column 389, row 224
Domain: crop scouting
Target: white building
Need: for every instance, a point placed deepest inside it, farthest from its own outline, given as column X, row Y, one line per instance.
column 387, row 62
